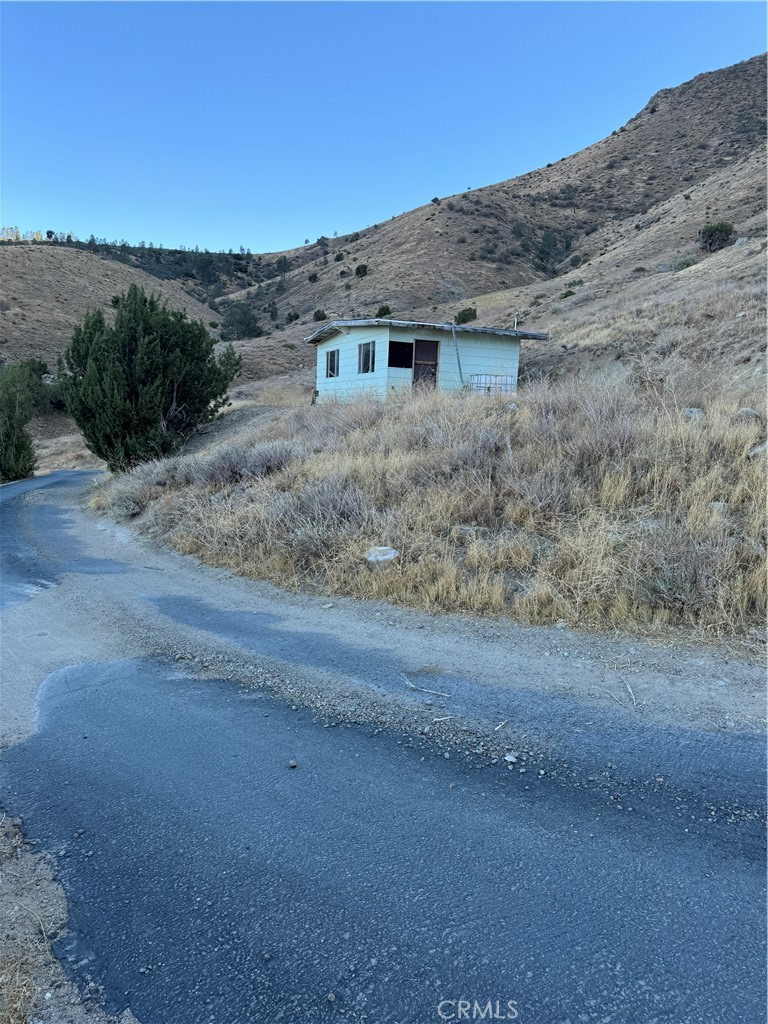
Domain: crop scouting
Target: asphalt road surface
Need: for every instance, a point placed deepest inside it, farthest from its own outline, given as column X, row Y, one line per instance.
column 236, row 851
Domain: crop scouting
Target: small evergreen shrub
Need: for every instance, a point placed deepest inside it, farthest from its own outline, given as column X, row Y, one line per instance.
column 139, row 387
column 319, row 315
column 361, row 270
column 17, row 454
column 383, row 311
column 239, row 321
column 466, row 314
column 312, row 278
column 713, row 237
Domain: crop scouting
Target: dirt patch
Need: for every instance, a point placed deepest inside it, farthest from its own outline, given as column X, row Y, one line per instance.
column 33, row 909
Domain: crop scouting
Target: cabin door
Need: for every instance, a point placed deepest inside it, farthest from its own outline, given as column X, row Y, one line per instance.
column 425, row 358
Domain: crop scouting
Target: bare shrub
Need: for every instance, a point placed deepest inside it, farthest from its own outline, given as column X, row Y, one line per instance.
column 232, row 464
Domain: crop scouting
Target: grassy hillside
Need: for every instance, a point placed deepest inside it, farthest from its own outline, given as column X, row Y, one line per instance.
column 600, row 250
column 46, row 289
column 625, row 487
column 636, row 199
column 602, row 502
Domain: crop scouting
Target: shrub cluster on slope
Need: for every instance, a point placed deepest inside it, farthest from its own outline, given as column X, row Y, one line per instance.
column 602, row 503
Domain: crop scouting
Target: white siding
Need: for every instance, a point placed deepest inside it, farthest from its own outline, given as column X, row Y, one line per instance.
column 479, row 353
column 349, row 382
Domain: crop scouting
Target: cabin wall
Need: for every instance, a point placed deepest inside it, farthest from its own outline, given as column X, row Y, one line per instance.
column 349, row 383
column 482, row 354
column 479, row 354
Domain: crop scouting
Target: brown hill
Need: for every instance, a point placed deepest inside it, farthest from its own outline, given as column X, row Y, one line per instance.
column 614, row 224
column 46, row 289
column 532, row 227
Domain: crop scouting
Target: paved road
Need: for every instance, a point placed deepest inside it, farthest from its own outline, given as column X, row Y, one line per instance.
column 379, row 880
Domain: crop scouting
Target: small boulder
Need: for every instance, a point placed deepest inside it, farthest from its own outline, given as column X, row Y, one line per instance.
column 758, row 450
column 747, row 414
column 379, row 556
column 693, row 413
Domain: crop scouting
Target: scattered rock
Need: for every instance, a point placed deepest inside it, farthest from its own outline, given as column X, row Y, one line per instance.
column 292, row 764
column 758, row 450
column 747, row 414
column 740, row 316
column 693, row 413
column 511, row 757
column 379, row 556
column 327, row 606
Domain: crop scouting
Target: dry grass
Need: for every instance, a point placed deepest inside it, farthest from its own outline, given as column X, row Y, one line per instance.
column 596, row 501
column 24, row 946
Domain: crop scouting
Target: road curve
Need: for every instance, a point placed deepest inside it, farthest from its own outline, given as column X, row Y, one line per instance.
column 236, row 848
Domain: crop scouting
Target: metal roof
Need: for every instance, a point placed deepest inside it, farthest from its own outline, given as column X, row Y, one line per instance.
column 337, row 326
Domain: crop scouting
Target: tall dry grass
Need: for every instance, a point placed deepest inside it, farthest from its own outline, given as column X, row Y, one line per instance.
column 599, row 501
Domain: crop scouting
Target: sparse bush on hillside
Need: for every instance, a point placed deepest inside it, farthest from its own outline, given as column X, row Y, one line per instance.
column 361, row 270
column 319, row 315
column 684, row 262
column 137, row 389
column 713, row 237
column 465, row 315
column 383, row 311
column 594, row 501
column 239, row 321
column 312, row 278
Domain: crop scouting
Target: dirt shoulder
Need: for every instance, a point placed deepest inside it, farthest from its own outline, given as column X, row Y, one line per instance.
column 33, row 908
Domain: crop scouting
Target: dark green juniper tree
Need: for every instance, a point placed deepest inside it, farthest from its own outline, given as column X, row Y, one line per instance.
column 17, row 453
column 139, row 388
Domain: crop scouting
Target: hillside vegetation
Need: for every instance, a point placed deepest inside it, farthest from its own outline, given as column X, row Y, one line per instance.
column 631, row 204
column 625, row 489
column 602, row 503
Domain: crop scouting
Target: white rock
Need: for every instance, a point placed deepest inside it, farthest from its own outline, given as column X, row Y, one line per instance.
column 381, row 555
column 693, row 413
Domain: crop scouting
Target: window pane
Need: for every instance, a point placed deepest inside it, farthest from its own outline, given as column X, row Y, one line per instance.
column 401, row 354
column 365, row 357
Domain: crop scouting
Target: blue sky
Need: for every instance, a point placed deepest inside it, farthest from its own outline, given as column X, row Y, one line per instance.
column 262, row 124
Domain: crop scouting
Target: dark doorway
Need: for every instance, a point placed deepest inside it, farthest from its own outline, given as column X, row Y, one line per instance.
column 425, row 364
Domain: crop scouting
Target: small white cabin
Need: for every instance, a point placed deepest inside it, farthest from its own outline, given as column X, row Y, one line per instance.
column 379, row 357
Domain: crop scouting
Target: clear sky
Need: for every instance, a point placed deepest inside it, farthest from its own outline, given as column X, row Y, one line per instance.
column 262, row 124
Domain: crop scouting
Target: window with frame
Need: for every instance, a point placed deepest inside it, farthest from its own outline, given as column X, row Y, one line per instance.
column 401, row 354
column 366, row 357
column 332, row 363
